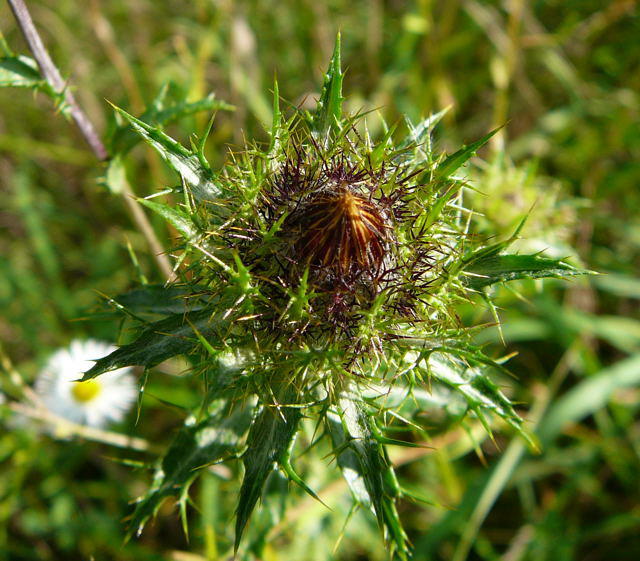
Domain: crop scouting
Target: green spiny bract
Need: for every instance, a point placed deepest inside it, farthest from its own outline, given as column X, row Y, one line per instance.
column 318, row 284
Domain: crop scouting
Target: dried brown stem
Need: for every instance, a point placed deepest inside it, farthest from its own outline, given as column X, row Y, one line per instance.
column 61, row 426
column 52, row 75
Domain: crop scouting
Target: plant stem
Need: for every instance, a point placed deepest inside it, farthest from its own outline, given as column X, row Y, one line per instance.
column 52, row 75
column 63, row 426
column 16, row 380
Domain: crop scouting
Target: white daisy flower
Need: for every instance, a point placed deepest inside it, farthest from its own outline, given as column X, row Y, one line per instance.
column 96, row 402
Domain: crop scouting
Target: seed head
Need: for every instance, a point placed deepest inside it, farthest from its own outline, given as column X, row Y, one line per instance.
column 345, row 226
column 342, row 233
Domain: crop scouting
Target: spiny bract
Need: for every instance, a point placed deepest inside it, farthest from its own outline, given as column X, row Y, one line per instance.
column 319, row 277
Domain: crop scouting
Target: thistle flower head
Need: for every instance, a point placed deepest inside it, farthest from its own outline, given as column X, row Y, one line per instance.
column 341, row 233
column 330, row 266
column 334, row 219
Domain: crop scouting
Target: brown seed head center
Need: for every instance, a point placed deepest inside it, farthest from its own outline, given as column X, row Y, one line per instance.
column 344, row 232
column 350, row 205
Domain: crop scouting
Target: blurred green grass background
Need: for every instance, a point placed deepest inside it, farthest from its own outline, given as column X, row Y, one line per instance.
column 565, row 78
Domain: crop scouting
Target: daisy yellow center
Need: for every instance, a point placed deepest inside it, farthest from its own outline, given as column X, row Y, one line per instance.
column 86, row 391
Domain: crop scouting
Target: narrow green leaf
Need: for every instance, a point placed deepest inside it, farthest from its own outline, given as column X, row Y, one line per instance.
column 179, row 219
column 619, row 331
column 329, row 109
column 187, row 108
column 453, row 162
column 19, row 71
column 378, row 152
column 269, row 438
column 589, row 396
column 625, row 286
column 276, row 123
column 184, row 162
column 194, row 447
column 502, row 268
column 161, row 340
column 4, row 47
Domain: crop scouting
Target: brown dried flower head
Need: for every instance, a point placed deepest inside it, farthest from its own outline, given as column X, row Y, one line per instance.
column 342, row 232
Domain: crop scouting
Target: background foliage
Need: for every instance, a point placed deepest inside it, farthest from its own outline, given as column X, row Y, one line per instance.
column 563, row 75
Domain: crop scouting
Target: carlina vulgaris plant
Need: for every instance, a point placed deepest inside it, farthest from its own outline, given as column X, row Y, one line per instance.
column 318, row 280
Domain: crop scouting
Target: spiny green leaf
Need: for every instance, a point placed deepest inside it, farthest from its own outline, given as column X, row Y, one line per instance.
column 480, row 392
column 378, row 153
column 347, row 459
column 201, row 142
column 502, row 268
column 162, row 299
column 23, row 72
column 459, row 158
column 179, row 219
column 124, row 138
column 420, row 133
column 364, row 464
column 195, row 446
column 263, row 522
column 269, row 438
column 411, row 400
column 436, row 210
column 329, row 109
column 161, row 340
column 287, row 467
column 186, row 163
